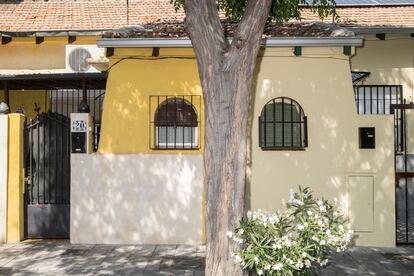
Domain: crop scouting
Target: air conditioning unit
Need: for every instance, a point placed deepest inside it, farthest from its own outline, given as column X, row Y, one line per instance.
column 77, row 55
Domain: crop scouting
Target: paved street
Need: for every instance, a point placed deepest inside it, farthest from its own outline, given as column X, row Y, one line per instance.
column 63, row 258
column 372, row 261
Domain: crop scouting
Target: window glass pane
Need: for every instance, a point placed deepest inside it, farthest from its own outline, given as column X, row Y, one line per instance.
column 367, row 103
column 278, row 135
column 176, row 111
column 381, row 100
column 296, row 135
column 393, row 95
column 177, row 136
column 270, row 134
column 374, row 107
column 261, row 132
column 374, row 91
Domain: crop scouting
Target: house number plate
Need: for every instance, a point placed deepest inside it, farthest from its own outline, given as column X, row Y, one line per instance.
column 78, row 126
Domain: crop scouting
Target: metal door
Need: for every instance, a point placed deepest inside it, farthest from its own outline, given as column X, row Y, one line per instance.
column 48, row 176
column 404, row 177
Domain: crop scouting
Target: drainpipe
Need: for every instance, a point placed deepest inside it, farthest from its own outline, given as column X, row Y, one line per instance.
column 6, row 94
column 83, row 106
column 127, row 12
column 4, row 139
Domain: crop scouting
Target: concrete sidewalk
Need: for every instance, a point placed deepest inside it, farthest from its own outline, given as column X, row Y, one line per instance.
column 63, row 258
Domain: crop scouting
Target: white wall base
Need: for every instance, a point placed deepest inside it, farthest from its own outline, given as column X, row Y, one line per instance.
column 136, row 199
column 4, row 125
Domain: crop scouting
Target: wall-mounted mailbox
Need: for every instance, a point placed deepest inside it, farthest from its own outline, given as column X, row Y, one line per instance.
column 79, row 142
column 81, row 133
column 367, row 137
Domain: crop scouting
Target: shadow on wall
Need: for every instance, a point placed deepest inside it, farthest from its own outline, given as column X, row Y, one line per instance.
column 326, row 95
column 136, row 199
column 126, row 118
column 128, row 193
column 390, row 62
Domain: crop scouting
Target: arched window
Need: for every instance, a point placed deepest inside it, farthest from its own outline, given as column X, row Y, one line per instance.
column 176, row 125
column 282, row 125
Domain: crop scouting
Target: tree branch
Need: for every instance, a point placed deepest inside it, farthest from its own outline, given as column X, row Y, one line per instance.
column 203, row 25
column 249, row 31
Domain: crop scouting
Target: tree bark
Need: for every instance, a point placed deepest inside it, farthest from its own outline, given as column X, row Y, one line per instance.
column 226, row 74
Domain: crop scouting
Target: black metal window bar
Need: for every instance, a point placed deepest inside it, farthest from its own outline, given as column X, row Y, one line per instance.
column 175, row 122
column 283, row 125
column 66, row 101
column 377, row 100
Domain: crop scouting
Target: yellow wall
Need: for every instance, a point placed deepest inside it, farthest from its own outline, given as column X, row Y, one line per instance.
column 390, row 61
column 320, row 81
column 131, row 82
column 15, row 185
column 27, row 99
column 24, row 53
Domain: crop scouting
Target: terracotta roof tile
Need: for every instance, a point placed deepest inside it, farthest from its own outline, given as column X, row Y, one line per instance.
column 370, row 16
column 177, row 30
column 55, row 15
column 82, row 15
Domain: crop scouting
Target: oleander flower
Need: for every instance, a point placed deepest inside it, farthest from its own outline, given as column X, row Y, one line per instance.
column 294, row 241
column 277, row 266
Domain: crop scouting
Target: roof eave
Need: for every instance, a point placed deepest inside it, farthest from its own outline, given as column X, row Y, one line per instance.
column 267, row 42
column 54, row 33
column 360, row 30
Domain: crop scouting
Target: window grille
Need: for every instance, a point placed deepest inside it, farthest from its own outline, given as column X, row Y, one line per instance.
column 176, row 123
column 377, row 99
column 282, row 125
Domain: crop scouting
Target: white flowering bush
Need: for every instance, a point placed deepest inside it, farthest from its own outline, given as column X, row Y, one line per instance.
column 293, row 242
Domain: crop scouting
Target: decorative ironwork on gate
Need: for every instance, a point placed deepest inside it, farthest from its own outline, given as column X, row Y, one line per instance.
column 48, row 162
column 47, row 159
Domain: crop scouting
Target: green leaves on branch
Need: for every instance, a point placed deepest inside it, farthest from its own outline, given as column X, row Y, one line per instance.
column 281, row 10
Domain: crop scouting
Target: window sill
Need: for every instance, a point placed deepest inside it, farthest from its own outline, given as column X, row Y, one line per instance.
column 177, row 148
column 283, row 149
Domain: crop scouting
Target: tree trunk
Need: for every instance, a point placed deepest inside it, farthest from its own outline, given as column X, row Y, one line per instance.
column 226, row 73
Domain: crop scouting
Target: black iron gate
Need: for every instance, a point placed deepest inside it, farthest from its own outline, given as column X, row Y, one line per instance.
column 404, row 181
column 48, row 176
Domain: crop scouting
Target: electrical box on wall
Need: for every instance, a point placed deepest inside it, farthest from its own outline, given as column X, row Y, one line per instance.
column 367, row 137
column 81, row 133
